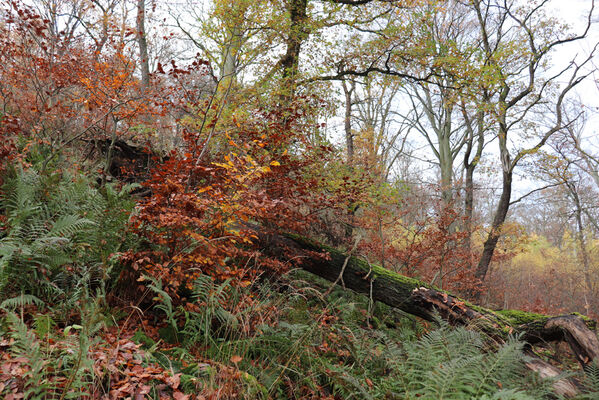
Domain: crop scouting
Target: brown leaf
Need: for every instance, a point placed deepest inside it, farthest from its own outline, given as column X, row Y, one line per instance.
column 180, row 396
column 145, row 389
column 174, row 380
column 235, row 359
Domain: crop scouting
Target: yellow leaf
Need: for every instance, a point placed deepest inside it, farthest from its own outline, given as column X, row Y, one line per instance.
column 275, row 163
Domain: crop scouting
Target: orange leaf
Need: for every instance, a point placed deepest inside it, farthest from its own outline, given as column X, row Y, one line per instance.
column 235, row 359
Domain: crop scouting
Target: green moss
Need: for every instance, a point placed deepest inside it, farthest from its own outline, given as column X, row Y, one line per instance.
column 503, row 318
column 517, row 317
column 377, row 271
column 143, row 339
column 254, row 389
column 591, row 323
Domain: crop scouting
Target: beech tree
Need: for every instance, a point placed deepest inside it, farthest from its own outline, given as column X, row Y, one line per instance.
column 516, row 46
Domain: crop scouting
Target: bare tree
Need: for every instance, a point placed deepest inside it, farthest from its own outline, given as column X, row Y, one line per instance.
column 520, row 83
column 383, row 132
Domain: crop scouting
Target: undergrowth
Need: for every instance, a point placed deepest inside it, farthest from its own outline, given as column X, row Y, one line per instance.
column 60, row 234
column 61, row 338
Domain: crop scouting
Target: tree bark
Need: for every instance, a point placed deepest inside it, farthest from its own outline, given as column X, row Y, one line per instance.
column 584, row 254
column 417, row 298
column 298, row 15
column 349, row 136
column 469, row 167
column 142, row 42
column 495, row 233
column 407, row 294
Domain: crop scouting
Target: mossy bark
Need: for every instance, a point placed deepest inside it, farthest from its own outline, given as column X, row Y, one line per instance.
column 404, row 292
column 408, row 294
column 418, row 298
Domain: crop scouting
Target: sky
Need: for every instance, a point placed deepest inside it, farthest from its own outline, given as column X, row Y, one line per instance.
column 574, row 13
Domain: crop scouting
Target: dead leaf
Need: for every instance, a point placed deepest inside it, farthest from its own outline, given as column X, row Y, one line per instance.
column 235, row 359
column 180, row 396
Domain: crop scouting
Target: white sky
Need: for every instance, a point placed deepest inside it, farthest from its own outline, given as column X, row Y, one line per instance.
column 574, row 12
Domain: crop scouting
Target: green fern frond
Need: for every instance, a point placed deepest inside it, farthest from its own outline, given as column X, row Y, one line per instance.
column 69, row 225
column 21, row 301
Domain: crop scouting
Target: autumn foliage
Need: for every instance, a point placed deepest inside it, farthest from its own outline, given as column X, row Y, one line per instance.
column 206, row 199
column 135, row 210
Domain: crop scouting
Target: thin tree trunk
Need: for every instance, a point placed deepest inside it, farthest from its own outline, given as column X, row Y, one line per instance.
column 349, row 136
column 470, row 166
column 504, row 200
column 495, row 232
column 584, row 255
column 349, row 140
column 143, row 44
column 110, row 150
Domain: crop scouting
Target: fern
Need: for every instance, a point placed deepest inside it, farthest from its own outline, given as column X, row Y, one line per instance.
column 26, row 345
column 591, row 381
column 451, row 363
column 164, row 303
column 61, row 233
column 21, row 301
column 214, row 318
column 69, row 226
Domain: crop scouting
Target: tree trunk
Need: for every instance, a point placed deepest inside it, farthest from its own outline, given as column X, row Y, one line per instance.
column 417, row 298
column 143, row 44
column 446, row 161
column 495, row 232
column 470, row 166
column 584, row 254
column 407, row 294
column 298, row 14
column 349, row 136
column 349, row 140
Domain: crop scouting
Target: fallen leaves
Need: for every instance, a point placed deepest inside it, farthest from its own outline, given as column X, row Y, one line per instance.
column 121, row 362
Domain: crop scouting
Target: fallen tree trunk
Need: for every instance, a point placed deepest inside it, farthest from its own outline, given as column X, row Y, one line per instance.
column 417, row 298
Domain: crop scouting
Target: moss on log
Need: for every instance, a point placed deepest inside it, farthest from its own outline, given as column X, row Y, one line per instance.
column 409, row 294
column 423, row 300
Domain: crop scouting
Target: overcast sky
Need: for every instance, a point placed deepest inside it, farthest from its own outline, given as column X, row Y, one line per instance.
column 574, row 13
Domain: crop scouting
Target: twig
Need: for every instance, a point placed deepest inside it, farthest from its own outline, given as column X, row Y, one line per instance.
column 370, row 298
column 340, row 277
